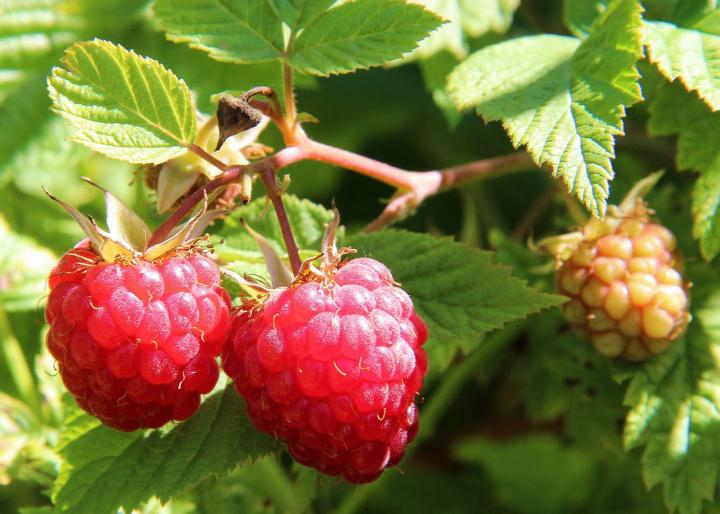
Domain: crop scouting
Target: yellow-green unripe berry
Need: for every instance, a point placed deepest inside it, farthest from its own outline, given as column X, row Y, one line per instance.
column 624, row 281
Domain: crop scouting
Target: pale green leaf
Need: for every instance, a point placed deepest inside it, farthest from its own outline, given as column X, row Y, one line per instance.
column 579, row 15
column 692, row 56
column 482, row 16
column 464, row 19
column 449, row 37
column 229, row 30
column 104, row 469
column 360, row 34
column 562, row 98
column 675, row 407
column 122, row 105
column 459, row 291
column 297, row 13
column 24, row 268
column 675, row 111
column 534, row 474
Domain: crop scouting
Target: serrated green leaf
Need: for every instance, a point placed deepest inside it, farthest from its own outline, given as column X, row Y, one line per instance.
column 229, row 30
column 24, row 268
column 690, row 55
column 122, row 105
column 675, row 111
column 360, row 34
column 534, row 474
column 297, row 13
column 104, row 469
column 579, row 15
column 675, row 407
column 565, row 100
column 459, row 291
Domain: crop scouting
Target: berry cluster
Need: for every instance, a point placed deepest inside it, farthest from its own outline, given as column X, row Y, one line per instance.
column 332, row 368
column 136, row 343
column 627, row 292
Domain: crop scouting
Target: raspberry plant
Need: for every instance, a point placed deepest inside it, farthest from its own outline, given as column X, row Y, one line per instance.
column 223, row 343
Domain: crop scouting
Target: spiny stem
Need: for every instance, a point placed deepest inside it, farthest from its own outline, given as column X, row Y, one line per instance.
column 268, row 177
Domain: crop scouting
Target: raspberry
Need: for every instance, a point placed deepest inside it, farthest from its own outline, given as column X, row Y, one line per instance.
column 626, row 288
column 136, row 342
column 332, row 367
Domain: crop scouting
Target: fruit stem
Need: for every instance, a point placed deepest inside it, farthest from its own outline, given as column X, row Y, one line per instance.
column 274, row 193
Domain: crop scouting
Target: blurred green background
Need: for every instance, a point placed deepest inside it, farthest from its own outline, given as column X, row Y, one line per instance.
column 530, row 424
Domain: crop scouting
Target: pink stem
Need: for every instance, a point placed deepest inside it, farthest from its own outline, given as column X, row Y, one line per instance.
column 268, row 177
column 416, row 186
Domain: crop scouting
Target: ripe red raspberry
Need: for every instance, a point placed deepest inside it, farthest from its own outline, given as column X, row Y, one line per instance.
column 136, row 343
column 332, row 368
column 627, row 292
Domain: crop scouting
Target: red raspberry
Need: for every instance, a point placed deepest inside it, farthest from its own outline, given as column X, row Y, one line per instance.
column 332, row 368
column 136, row 343
column 626, row 288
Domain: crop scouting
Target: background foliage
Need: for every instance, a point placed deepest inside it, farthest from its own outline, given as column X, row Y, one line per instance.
column 518, row 415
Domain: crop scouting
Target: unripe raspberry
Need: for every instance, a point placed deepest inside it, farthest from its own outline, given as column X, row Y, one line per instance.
column 627, row 293
column 331, row 366
column 136, row 342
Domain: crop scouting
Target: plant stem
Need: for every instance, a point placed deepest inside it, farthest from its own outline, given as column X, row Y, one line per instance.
column 18, row 365
column 272, row 191
column 402, row 179
column 200, row 152
column 290, row 111
column 413, row 186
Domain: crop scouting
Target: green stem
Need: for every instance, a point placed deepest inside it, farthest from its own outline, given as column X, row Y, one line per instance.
column 438, row 403
column 277, row 484
column 18, row 365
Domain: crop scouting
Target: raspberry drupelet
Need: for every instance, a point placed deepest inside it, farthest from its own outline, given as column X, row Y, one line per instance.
column 625, row 283
column 136, row 342
column 332, row 367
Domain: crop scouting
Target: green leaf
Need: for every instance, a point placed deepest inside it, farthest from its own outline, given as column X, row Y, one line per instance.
column 565, row 100
column 465, row 19
column 307, row 221
column 104, row 469
column 34, row 32
column 534, row 474
column 122, row 105
column 579, row 15
column 675, row 407
column 24, row 268
column 229, row 30
column 459, row 291
column 360, row 34
column 674, row 111
column 482, row 16
column 693, row 56
column 297, row 13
